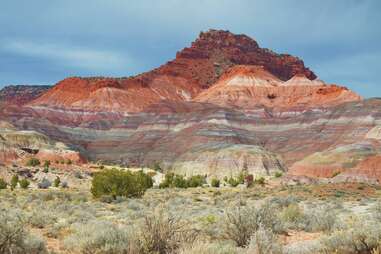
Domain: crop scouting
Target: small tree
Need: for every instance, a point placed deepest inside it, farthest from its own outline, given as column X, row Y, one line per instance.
column 180, row 182
column 33, row 162
column 114, row 182
column 24, row 183
column 196, row 181
column 233, row 182
column 68, row 162
column 260, row 180
column 215, row 182
column 3, row 184
column 57, row 181
column 14, row 181
column 46, row 164
column 156, row 167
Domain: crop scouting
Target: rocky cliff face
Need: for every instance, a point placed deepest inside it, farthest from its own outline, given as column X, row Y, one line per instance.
column 21, row 94
column 222, row 105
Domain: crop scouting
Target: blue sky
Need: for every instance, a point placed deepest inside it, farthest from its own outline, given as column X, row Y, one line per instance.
column 44, row 41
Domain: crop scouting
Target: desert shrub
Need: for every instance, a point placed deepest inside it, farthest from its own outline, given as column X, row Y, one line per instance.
column 278, row 174
column 196, row 181
column 320, row 218
column 233, row 182
column 40, row 218
column 115, row 183
column 241, row 177
column 24, row 183
column 56, row 182
column 77, row 174
column 33, row 162
column 215, row 182
column 172, row 180
column 168, row 180
column 292, row 214
column 69, row 162
column 259, row 180
column 162, row 233
column 46, row 166
column 179, row 181
column 14, row 181
column 241, row 223
column 100, row 237
column 3, row 184
column 14, row 239
column 285, row 201
column 209, row 248
column 44, row 184
column 64, row 184
column 156, row 167
column 264, row 241
column 303, row 247
column 361, row 237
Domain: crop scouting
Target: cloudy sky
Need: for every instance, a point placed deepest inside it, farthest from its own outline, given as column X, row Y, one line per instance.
column 44, row 41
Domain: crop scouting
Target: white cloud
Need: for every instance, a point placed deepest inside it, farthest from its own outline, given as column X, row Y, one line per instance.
column 70, row 56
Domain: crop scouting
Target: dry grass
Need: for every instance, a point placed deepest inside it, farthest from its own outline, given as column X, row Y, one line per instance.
column 198, row 220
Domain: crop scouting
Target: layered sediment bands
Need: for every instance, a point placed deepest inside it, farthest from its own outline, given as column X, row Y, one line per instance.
column 229, row 160
column 19, row 146
column 314, row 142
column 248, row 87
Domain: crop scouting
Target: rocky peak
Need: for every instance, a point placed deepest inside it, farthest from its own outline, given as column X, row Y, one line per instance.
column 215, row 51
column 219, row 38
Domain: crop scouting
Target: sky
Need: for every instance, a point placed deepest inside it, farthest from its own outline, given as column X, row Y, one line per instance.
column 44, row 41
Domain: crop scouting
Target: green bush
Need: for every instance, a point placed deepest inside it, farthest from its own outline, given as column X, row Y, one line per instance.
column 233, row 182
column 259, row 180
column 46, row 164
column 14, row 181
column 196, row 181
column 180, row 182
column 57, row 182
column 156, row 167
column 24, row 183
column 33, row 162
column 114, row 182
column 3, row 184
column 278, row 174
column 215, row 182
column 168, row 181
column 241, row 177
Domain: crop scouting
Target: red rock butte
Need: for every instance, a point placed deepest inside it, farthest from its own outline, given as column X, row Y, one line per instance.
column 194, row 70
column 223, row 103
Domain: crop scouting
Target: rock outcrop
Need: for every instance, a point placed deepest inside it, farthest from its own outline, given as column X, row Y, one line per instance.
column 21, row 94
column 16, row 145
